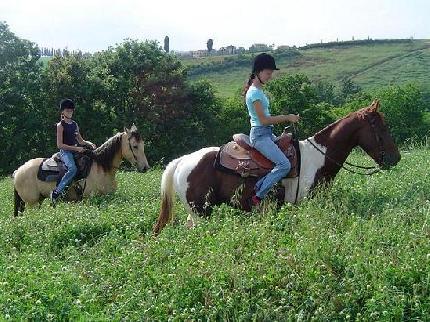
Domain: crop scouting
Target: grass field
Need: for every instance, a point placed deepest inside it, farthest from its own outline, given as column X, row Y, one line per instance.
column 359, row 250
column 370, row 66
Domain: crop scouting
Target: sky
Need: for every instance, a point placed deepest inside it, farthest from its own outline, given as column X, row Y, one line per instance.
column 93, row 25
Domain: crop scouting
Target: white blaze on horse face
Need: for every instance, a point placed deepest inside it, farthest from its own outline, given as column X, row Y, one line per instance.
column 185, row 166
column 311, row 161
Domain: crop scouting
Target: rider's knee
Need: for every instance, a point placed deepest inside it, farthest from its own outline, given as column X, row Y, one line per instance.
column 284, row 167
column 72, row 169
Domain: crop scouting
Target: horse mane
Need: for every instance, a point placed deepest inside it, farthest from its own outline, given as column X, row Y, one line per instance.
column 330, row 126
column 105, row 153
column 360, row 114
column 134, row 133
column 366, row 111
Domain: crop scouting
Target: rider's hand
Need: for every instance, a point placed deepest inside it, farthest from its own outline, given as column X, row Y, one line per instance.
column 90, row 145
column 80, row 149
column 293, row 118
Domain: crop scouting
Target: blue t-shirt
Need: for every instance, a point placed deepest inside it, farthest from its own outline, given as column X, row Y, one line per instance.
column 256, row 94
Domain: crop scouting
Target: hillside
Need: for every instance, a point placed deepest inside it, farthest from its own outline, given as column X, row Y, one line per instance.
column 370, row 66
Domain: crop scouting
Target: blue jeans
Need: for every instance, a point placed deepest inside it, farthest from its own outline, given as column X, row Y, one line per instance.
column 262, row 139
column 69, row 162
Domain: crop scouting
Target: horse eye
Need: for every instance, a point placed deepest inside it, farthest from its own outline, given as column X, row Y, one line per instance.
column 135, row 147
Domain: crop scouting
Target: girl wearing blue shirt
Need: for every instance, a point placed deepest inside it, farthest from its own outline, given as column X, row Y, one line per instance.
column 261, row 135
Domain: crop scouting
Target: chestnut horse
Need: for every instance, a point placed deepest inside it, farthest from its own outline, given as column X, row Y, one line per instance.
column 200, row 186
column 100, row 180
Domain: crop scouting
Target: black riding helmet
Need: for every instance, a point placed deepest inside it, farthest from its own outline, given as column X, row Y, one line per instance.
column 263, row 61
column 66, row 103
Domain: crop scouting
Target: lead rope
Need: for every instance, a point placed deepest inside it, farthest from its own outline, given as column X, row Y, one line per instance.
column 295, row 138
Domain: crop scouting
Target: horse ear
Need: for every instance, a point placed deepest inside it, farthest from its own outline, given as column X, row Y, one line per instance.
column 375, row 106
column 126, row 130
column 133, row 127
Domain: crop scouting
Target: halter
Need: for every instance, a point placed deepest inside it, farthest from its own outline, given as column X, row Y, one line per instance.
column 374, row 169
column 131, row 149
column 378, row 138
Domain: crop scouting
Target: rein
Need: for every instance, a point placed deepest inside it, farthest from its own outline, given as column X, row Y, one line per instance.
column 295, row 139
column 131, row 149
column 373, row 168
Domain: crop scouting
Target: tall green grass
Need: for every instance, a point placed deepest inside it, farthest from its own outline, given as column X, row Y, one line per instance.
column 359, row 250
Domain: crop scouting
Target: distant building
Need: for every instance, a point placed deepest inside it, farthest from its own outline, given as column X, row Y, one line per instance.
column 283, row 47
column 231, row 50
column 241, row 50
column 183, row 53
column 259, row 47
column 200, row 53
column 222, row 51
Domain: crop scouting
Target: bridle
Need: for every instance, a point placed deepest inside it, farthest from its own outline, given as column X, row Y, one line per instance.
column 378, row 138
column 131, row 149
column 374, row 169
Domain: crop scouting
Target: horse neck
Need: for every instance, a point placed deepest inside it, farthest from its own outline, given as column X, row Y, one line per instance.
column 109, row 155
column 116, row 162
column 338, row 139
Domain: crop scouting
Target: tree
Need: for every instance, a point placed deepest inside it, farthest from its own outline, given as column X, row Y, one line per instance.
column 404, row 109
column 166, row 44
column 150, row 89
column 210, row 44
column 291, row 93
column 20, row 97
column 296, row 94
column 325, row 92
column 348, row 87
column 137, row 82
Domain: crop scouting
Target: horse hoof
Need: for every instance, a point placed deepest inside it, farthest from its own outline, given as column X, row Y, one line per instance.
column 190, row 224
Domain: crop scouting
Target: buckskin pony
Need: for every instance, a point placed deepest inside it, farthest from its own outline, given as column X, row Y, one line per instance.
column 99, row 179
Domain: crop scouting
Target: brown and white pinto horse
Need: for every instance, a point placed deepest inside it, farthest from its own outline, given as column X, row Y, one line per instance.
column 200, row 186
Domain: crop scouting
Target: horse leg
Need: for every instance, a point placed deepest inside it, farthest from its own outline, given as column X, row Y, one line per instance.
column 167, row 196
column 192, row 220
column 201, row 206
column 19, row 204
column 41, row 198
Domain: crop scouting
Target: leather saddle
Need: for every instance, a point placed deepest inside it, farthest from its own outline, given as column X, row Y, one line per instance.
column 53, row 169
column 239, row 157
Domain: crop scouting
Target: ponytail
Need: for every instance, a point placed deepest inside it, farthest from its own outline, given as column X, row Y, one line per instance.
column 248, row 83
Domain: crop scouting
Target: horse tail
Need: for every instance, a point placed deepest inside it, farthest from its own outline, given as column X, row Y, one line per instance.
column 167, row 194
column 18, row 203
